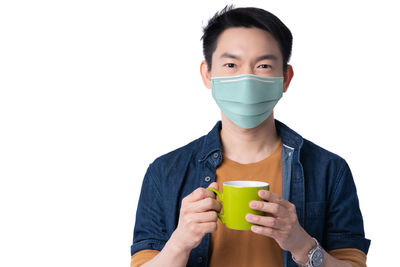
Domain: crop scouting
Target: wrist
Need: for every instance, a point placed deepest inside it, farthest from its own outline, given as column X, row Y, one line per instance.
column 301, row 253
column 177, row 246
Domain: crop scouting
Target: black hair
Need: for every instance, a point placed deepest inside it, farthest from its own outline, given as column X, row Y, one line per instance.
column 247, row 17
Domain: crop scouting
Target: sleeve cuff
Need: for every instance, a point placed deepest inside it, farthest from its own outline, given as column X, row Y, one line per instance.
column 337, row 241
column 147, row 244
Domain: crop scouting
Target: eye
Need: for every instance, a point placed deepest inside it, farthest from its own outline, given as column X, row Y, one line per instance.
column 230, row 65
column 264, row 66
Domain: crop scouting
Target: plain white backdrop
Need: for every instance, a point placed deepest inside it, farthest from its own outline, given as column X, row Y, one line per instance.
column 91, row 92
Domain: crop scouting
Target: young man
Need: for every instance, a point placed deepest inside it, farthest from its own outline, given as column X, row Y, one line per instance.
column 313, row 212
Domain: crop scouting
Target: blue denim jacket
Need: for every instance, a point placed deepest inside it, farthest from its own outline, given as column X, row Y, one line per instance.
column 319, row 183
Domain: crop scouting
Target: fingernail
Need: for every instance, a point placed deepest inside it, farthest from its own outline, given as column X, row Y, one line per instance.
column 262, row 193
column 253, row 204
column 249, row 217
column 254, row 228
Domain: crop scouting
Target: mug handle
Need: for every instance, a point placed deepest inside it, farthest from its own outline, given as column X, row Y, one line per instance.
column 220, row 195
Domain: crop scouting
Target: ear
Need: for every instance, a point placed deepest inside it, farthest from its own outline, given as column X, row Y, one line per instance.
column 287, row 78
column 205, row 74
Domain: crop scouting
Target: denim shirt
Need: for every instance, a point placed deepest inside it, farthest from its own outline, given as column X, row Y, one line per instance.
column 318, row 182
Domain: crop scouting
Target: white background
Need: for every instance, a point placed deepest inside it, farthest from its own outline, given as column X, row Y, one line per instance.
column 91, row 92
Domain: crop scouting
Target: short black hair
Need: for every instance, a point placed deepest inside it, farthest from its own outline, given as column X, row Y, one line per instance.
column 248, row 17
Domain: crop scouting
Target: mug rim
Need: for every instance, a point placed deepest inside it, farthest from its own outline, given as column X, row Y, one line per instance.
column 245, row 184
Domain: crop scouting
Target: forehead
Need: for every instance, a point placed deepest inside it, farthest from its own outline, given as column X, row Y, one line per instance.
column 247, row 42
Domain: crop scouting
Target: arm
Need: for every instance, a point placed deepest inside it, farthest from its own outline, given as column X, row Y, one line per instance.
column 197, row 218
column 171, row 255
column 344, row 227
column 285, row 228
column 301, row 255
column 344, row 222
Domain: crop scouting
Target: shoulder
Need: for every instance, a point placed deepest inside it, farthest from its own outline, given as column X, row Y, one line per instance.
column 178, row 158
column 318, row 162
column 313, row 152
column 322, row 168
column 308, row 151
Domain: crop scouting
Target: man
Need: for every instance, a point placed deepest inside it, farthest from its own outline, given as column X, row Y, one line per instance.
column 313, row 216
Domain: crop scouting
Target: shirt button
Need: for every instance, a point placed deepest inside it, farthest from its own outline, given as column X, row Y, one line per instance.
column 207, row 179
column 200, row 259
column 215, row 155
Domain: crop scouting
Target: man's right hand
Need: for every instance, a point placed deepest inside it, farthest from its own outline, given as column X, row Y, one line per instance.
column 198, row 216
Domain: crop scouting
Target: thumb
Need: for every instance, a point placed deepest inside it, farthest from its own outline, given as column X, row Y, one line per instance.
column 214, row 185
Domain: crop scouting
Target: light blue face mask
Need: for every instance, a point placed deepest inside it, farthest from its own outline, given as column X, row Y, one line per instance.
column 247, row 100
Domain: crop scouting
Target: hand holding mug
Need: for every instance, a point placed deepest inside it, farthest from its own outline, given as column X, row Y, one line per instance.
column 197, row 217
column 281, row 223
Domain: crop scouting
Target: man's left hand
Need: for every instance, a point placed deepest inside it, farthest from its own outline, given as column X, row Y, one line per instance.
column 281, row 224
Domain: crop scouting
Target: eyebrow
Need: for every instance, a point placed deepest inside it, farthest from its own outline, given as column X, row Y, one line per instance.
column 267, row 56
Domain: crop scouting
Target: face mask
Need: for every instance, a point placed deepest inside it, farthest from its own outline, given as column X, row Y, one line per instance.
column 247, row 100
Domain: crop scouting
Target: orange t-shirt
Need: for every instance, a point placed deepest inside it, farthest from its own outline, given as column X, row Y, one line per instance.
column 245, row 248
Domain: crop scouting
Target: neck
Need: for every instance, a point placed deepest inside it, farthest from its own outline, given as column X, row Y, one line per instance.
column 248, row 145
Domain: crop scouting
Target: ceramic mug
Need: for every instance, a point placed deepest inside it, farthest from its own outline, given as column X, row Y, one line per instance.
column 235, row 198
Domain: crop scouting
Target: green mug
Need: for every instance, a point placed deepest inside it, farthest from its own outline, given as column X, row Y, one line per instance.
column 235, row 200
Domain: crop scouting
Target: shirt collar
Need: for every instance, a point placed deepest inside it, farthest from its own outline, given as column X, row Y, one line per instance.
column 212, row 143
column 289, row 137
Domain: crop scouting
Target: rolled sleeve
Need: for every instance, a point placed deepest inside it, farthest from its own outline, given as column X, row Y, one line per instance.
column 355, row 257
column 143, row 256
column 345, row 227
